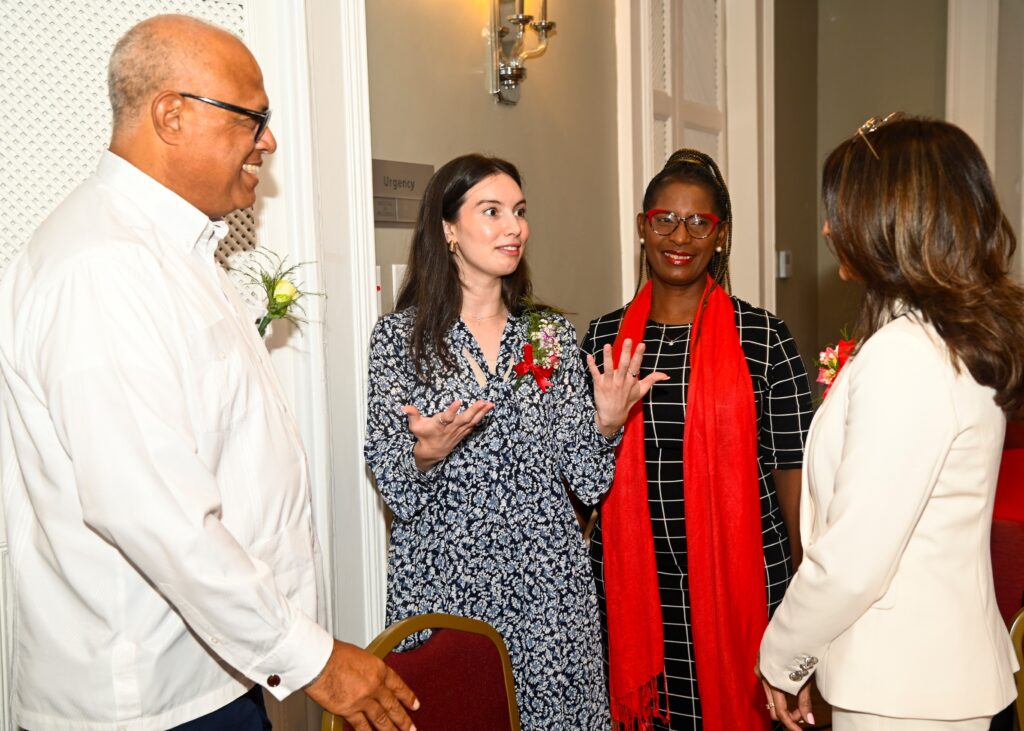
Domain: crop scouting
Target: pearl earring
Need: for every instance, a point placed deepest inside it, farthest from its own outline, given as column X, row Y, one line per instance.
column 718, row 249
column 641, row 240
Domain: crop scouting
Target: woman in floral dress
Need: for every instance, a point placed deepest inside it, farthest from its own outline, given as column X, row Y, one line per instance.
column 479, row 417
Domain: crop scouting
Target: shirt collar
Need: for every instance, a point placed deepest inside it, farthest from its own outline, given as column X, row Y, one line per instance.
column 182, row 223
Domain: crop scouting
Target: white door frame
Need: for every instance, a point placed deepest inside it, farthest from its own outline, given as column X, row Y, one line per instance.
column 972, row 81
column 750, row 135
column 633, row 85
column 315, row 64
column 352, row 521
column 287, row 224
column 972, row 42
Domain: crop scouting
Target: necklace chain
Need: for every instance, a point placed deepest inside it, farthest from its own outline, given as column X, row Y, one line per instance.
column 474, row 318
column 677, row 338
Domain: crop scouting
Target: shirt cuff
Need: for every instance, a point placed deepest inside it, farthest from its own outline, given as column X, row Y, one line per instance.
column 410, row 470
column 609, row 442
column 296, row 661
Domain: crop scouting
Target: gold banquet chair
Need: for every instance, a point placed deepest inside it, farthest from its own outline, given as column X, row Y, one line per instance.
column 461, row 674
column 1017, row 637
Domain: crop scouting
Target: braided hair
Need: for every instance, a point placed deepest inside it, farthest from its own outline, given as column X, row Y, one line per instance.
column 697, row 168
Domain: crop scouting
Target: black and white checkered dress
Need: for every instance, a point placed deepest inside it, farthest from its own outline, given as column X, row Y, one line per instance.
column 784, row 412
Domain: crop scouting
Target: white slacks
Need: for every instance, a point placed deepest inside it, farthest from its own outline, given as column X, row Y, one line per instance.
column 853, row 721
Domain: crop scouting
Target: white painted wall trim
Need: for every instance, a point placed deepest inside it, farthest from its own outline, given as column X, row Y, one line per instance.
column 635, row 116
column 748, row 66
column 768, row 231
column 626, row 130
column 287, row 224
column 971, row 62
column 345, row 234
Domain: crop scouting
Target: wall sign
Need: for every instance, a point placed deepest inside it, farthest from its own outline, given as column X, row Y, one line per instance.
column 397, row 191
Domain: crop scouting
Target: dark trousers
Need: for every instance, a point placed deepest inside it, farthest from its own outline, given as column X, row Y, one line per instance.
column 1003, row 721
column 242, row 714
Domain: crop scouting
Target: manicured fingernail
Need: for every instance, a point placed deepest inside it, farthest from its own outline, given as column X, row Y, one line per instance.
column 810, row 719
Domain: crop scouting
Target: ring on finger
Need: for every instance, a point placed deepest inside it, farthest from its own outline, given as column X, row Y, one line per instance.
column 444, row 421
column 634, row 374
column 769, row 706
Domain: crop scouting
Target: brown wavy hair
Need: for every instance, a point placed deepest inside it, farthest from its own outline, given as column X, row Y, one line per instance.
column 432, row 284
column 914, row 216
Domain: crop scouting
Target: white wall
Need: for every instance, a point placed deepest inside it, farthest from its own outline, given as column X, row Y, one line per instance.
column 428, row 104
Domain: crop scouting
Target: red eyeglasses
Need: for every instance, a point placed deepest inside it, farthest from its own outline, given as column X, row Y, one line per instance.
column 698, row 225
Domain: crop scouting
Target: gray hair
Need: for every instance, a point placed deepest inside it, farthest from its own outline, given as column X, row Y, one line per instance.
column 147, row 58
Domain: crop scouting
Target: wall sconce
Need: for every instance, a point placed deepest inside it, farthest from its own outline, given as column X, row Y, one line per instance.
column 508, row 52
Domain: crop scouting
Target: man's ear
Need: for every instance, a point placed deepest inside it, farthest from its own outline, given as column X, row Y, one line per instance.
column 166, row 117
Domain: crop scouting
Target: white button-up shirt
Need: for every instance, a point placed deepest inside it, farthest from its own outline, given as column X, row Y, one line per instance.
column 154, row 484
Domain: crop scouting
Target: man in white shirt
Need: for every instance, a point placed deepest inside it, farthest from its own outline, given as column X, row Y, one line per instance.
column 155, row 487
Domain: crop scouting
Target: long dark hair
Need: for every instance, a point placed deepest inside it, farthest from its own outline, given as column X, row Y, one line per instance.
column 432, row 284
column 696, row 168
column 912, row 212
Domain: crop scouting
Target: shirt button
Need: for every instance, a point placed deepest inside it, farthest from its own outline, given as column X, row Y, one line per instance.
column 274, row 680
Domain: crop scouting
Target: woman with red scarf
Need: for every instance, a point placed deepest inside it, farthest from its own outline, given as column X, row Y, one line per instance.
column 694, row 544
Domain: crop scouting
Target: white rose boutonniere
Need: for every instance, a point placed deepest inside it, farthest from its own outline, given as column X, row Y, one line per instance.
column 277, row 281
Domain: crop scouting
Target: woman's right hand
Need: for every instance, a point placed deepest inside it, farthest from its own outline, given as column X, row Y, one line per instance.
column 437, row 435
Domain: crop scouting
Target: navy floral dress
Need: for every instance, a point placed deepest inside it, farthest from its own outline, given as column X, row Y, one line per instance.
column 489, row 532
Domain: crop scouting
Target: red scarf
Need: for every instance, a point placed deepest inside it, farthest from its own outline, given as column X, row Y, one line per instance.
column 725, row 554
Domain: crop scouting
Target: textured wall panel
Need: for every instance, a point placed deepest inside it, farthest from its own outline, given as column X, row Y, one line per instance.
column 55, row 119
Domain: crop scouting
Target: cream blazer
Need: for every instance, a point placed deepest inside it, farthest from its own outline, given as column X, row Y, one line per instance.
column 893, row 606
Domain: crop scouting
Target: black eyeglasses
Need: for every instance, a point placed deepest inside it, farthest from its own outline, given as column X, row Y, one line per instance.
column 262, row 119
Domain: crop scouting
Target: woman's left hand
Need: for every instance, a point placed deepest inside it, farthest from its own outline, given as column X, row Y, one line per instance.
column 617, row 389
column 778, row 704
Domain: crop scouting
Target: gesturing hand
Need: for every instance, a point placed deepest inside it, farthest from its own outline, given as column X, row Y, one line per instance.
column 437, row 435
column 363, row 690
column 617, row 389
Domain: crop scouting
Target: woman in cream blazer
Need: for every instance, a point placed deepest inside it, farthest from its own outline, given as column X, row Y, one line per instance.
column 893, row 608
